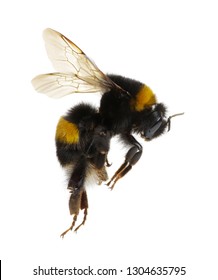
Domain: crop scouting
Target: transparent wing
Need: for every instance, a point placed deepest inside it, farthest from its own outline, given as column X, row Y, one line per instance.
column 57, row 85
column 76, row 73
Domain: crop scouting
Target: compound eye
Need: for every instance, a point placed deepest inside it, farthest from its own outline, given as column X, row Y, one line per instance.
column 151, row 131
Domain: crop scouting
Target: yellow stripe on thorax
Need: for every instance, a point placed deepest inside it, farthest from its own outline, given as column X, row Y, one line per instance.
column 67, row 132
column 145, row 97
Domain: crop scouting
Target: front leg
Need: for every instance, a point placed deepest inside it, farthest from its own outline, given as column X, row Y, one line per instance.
column 131, row 158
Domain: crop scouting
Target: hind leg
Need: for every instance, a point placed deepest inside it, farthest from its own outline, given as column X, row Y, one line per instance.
column 80, row 202
column 78, row 199
column 83, row 205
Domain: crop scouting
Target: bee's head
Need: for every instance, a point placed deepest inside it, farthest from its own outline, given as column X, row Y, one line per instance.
column 153, row 121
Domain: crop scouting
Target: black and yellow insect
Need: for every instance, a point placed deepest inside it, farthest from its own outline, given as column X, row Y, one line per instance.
column 83, row 135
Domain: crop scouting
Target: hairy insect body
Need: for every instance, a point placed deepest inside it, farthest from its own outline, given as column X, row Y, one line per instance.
column 83, row 135
column 134, row 109
column 141, row 95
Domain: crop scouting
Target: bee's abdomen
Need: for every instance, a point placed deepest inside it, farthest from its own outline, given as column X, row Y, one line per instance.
column 71, row 133
column 67, row 132
column 67, row 138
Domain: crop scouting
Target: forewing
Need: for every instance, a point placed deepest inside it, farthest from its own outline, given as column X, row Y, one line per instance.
column 76, row 73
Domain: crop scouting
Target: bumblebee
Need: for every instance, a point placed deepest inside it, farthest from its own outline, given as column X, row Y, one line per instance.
column 83, row 135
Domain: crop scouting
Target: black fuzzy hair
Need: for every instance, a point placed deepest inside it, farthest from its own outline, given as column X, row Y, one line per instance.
column 80, row 112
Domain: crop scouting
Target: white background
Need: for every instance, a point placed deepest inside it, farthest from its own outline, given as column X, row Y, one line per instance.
column 164, row 212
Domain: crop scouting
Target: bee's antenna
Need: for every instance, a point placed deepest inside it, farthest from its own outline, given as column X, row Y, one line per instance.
column 169, row 119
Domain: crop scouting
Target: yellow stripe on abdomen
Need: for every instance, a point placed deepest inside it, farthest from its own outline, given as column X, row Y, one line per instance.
column 67, row 132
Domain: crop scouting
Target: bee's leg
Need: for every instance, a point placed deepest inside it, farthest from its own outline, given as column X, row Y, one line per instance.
column 131, row 158
column 72, row 225
column 83, row 205
column 76, row 187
